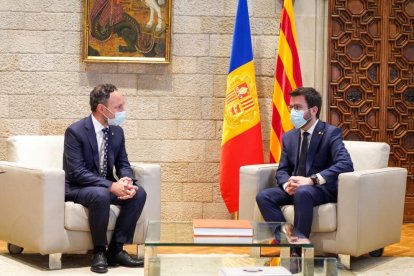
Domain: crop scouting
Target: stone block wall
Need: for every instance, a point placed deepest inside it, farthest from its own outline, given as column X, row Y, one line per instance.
column 174, row 110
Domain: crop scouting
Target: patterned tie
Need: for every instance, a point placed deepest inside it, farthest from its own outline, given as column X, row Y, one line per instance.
column 301, row 171
column 104, row 148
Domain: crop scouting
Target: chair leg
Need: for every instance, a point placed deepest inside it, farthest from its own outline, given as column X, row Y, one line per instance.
column 345, row 260
column 55, row 261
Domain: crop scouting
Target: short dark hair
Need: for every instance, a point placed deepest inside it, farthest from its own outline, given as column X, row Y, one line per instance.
column 312, row 97
column 100, row 95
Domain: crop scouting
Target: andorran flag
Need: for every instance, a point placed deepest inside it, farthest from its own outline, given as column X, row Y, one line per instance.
column 287, row 78
column 242, row 139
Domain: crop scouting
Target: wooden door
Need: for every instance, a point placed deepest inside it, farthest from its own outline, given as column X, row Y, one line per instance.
column 371, row 77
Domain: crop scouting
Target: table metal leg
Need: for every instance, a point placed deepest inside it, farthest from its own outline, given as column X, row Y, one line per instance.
column 308, row 259
column 330, row 268
column 140, row 251
column 151, row 262
column 285, row 257
column 255, row 251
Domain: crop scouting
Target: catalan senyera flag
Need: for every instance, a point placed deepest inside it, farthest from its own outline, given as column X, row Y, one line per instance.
column 287, row 78
column 242, row 138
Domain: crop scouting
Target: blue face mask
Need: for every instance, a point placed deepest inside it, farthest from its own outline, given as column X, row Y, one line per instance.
column 119, row 118
column 296, row 117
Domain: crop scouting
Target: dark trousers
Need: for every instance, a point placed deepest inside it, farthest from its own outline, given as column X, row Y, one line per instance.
column 98, row 200
column 305, row 198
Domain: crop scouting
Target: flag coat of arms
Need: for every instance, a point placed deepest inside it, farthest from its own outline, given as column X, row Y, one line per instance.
column 242, row 138
column 287, row 78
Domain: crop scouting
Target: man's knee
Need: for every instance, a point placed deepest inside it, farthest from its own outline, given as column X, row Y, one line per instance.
column 273, row 195
column 101, row 195
column 260, row 198
column 303, row 193
column 141, row 195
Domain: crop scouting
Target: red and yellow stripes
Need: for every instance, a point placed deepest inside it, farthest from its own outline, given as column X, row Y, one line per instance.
column 287, row 78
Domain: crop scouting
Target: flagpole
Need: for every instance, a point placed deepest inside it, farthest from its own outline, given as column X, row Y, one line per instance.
column 235, row 215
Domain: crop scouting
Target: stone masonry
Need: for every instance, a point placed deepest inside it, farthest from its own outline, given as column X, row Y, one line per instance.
column 174, row 111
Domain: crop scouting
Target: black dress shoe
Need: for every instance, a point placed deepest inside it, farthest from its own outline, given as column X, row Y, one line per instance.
column 122, row 258
column 99, row 264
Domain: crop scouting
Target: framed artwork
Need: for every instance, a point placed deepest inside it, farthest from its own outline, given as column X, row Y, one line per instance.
column 127, row 31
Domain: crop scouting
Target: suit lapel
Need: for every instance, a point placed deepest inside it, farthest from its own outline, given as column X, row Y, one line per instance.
column 92, row 140
column 314, row 144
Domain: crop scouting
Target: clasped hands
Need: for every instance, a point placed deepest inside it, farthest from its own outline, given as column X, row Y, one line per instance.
column 295, row 181
column 123, row 188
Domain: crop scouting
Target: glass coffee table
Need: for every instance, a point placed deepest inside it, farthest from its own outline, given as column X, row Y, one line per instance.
column 265, row 235
column 213, row 265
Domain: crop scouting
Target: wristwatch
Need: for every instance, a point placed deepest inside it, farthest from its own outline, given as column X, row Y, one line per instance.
column 314, row 179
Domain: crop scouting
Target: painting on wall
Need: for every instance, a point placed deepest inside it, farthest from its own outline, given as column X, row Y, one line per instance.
column 127, row 31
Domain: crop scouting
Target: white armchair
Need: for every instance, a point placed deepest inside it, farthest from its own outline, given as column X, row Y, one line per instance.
column 33, row 211
column 369, row 212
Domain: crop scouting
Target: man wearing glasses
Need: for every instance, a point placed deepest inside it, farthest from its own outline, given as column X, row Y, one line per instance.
column 313, row 155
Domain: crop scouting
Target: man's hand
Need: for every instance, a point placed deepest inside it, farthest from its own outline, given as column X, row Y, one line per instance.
column 300, row 180
column 296, row 181
column 123, row 189
column 291, row 187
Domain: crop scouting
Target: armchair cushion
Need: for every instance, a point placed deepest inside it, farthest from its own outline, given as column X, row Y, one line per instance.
column 43, row 152
column 76, row 217
column 324, row 217
column 368, row 155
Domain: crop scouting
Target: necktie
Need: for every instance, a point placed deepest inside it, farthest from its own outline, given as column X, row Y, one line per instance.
column 301, row 171
column 104, row 153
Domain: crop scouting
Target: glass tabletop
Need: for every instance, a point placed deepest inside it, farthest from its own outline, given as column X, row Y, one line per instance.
column 208, row 265
column 265, row 234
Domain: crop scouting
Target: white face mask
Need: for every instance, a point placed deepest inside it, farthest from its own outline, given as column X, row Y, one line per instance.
column 119, row 118
column 296, row 117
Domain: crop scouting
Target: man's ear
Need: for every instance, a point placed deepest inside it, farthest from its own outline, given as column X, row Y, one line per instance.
column 100, row 108
column 315, row 110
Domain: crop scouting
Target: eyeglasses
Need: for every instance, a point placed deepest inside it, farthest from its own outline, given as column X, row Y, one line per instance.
column 297, row 107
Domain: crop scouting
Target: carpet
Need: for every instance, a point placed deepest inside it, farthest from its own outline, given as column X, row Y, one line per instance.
column 72, row 265
column 183, row 265
column 395, row 266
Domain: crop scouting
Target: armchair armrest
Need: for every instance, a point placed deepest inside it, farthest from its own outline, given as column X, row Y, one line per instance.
column 149, row 177
column 32, row 207
column 253, row 179
column 370, row 209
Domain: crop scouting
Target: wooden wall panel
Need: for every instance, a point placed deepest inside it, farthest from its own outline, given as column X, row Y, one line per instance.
column 371, row 80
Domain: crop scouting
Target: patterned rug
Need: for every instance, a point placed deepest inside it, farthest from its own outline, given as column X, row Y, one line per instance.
column 391, row 266
column 189, row 264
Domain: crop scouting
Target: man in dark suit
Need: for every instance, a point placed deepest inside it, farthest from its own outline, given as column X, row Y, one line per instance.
column 94, row 146
column 313, row 155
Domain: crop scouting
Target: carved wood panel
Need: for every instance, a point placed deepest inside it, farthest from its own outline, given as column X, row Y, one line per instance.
column 371, row 80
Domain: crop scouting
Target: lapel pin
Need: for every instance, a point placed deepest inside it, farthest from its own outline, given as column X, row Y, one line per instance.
column 320, row 132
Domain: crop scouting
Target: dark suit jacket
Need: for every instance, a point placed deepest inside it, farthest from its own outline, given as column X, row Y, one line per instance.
column 327, row 156
column 81, row 157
